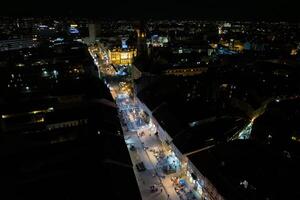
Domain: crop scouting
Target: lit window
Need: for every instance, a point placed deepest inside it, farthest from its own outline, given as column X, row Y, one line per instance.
column 124, row 55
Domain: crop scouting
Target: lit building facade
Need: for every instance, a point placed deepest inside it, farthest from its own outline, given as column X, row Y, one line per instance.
column 186, row 71
column 158, row 41
column 119, row 56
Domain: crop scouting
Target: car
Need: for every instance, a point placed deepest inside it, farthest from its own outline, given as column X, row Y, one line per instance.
column 140, row 166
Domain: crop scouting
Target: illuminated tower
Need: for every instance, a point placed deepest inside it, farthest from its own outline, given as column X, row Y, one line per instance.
column 92, row 32
column 141, row 38
column 123, row 43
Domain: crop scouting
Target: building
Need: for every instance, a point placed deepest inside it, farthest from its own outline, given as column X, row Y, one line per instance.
column 157, row 41
column 186, row 71
column 18, row 43
column 247, row 169
column 58, row 122
column 122, row 56
column 141, row 38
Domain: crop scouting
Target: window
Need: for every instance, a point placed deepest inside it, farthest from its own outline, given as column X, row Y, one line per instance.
column 124, row 55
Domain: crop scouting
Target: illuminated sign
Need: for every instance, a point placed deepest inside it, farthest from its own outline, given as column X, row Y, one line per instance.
column 58, row 40
column 73, row 30
column 73, row 25
column 43, row 26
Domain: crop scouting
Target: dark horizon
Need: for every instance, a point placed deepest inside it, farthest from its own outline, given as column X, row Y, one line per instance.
column 218, row 10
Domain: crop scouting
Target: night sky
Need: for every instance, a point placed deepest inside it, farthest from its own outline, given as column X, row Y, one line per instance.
column 209, row 9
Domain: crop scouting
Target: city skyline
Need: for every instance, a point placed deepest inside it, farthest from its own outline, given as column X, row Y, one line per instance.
column 175, row 109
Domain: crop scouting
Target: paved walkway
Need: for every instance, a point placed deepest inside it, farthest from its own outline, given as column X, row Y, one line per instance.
column 145, row 179
column 143, row 153
column 132, row 124
column 145, row 144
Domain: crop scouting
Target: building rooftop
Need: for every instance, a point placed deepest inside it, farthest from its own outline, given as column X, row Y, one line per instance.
column 267, row 173
column 208, row 132
column 58, row 136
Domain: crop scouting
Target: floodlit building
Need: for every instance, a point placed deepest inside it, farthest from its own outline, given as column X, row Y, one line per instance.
column 158, row 41
column 121, row 56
